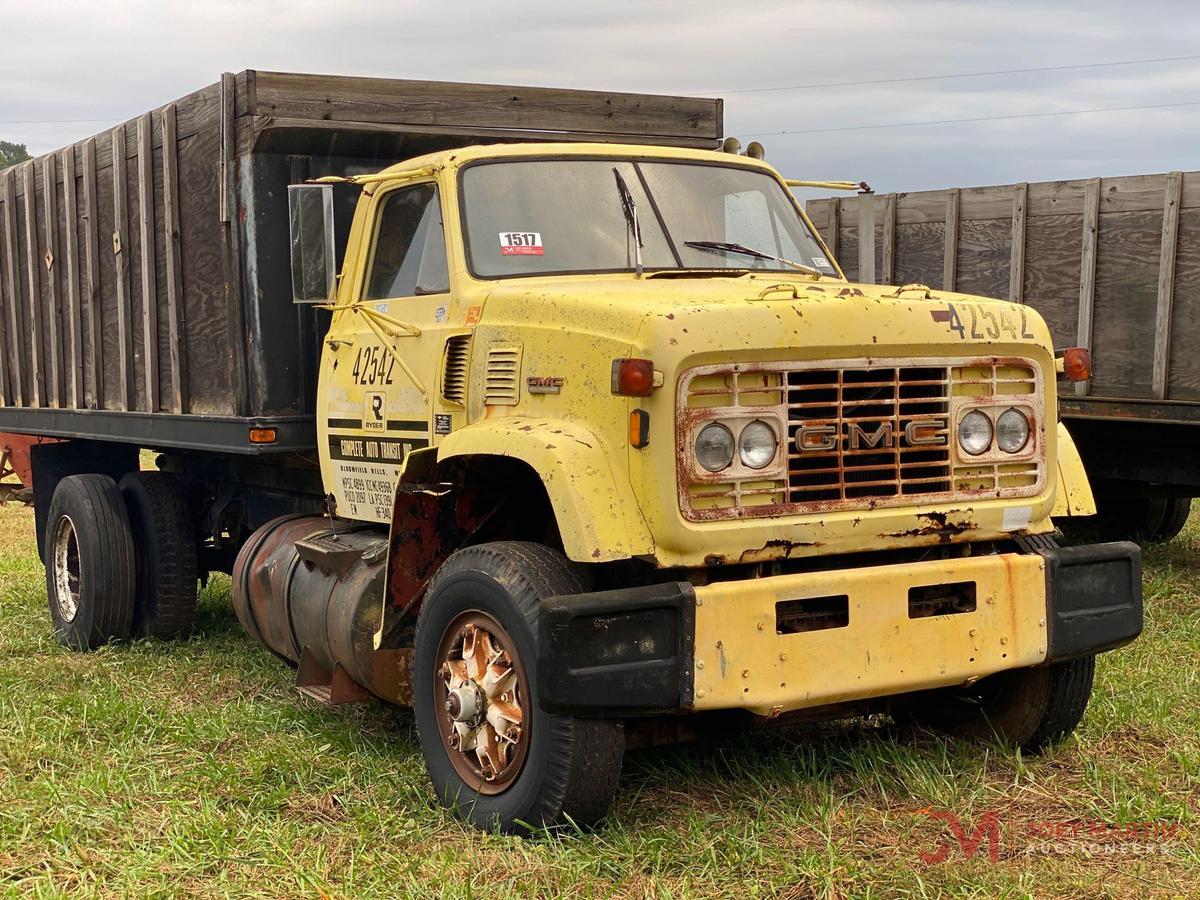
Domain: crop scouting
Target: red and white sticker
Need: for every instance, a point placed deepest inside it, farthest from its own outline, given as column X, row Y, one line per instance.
column 521, row 243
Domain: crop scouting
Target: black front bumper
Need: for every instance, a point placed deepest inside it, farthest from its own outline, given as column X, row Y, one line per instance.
column 630, row 652
column 1093, row 598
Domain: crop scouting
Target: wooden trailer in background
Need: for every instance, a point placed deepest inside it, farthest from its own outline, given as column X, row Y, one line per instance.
column 1112, row 264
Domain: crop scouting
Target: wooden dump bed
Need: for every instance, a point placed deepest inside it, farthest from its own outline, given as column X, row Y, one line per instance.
column 145, row 291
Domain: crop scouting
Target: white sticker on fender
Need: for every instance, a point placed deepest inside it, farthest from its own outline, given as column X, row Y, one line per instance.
column 1016, row 518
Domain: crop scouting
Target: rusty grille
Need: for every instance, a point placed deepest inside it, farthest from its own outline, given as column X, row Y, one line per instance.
column 863, row 406
column 863, row 410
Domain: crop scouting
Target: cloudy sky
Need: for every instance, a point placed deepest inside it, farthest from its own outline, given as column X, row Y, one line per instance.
column 69, row 69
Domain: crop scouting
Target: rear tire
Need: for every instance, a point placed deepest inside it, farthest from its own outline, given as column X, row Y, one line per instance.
column 557, row 768
column 165, row 604
column 1175, row 517
column 89, row 562
column 1028, row 708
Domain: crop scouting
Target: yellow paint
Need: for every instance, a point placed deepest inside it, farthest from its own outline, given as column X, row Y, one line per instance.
column 1074, row 495
column 612, row 500
column 597, row 513
column 741, row 662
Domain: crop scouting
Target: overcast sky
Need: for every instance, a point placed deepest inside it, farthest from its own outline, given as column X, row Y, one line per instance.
column 64, row 62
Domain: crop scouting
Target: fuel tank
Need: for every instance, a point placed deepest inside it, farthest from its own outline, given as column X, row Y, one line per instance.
column 312, row 592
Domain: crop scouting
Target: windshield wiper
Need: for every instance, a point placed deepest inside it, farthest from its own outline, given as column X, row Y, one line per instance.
column 725, row 247
column 629, row 208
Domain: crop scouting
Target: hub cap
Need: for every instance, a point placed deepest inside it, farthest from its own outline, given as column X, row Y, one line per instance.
column 65, row 560
column 481, row 699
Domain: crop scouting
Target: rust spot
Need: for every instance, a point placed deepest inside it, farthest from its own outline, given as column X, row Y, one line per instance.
column 939, row 524
column 596, row 553
column 714, row 559
column 767, row 551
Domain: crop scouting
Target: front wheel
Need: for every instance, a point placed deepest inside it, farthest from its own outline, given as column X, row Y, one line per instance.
column 1028, row 708
column 494, row 756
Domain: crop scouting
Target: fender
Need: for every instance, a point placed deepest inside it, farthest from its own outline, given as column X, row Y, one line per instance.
column 598, row 515
column 1074, row 494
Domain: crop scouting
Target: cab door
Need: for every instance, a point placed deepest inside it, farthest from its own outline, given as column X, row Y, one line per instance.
column 380, row 364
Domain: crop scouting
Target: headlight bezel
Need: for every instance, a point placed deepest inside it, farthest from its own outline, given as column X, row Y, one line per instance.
column 737, row 467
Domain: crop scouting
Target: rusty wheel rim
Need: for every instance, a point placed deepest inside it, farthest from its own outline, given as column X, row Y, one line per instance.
column 482, row 702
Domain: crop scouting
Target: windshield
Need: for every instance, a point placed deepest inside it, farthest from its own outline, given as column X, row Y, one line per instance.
column 539, row 216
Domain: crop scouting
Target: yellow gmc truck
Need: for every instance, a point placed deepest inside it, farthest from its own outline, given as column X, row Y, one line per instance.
column 536, row 411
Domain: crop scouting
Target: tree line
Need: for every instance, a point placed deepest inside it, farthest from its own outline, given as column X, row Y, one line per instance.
column 11, row 154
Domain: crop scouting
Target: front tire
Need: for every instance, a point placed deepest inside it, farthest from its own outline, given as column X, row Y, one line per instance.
column 1028, row 708
column 89, row 562
column 494, row 756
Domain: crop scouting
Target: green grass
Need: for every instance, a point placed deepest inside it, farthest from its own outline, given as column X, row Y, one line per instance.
column 196, row 769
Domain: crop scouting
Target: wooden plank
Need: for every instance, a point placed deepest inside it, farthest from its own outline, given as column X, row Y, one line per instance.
column 888, row 262
column 231, row 247
column 15, row 320
column 94, row 355
column 1016, row 266
column 250, row 129
column 228, row 150
column 120, row 178
column 8, row 336
column 983, row 257
column 1183, row 374
column 950, row 260
column 396, row 101
column 74, row 322
column 1166, row 283
column 33, row 285
column 55, row 390
column 149, row 281
column 866, row 238
column 173, row 255
column 1087, row 269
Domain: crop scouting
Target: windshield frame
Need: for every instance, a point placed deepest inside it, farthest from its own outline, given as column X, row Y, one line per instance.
column 461, row 201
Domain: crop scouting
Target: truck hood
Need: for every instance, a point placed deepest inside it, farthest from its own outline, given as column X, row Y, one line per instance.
column 800, row 318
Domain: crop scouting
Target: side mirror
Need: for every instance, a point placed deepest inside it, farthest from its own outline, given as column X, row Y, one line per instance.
column 314, row 267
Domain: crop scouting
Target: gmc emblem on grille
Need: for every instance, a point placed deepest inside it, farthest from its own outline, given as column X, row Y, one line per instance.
column 924, row 432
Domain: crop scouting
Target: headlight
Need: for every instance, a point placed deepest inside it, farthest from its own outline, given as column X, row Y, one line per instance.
column 757, row 444
column 714, row 447
column 1012, row 431
column 975, row 432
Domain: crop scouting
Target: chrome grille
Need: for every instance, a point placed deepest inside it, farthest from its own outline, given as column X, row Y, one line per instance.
column 865, row 405
column 861, row 409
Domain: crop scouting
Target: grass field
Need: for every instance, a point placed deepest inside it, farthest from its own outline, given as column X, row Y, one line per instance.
column 195, row 769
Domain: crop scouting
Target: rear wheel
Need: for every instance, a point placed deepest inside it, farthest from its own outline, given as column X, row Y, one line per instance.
column 494, row 756
column 165, row 538
column 1175, row 516
column 1027, row 708
column 89, row 562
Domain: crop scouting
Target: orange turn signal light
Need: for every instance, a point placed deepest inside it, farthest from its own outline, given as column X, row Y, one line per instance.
column 1077, row 363
column 262, row 435
column 639, row 428
column 633, row 377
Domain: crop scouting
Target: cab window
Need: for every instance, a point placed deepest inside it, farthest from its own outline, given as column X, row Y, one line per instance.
column 410, row 248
